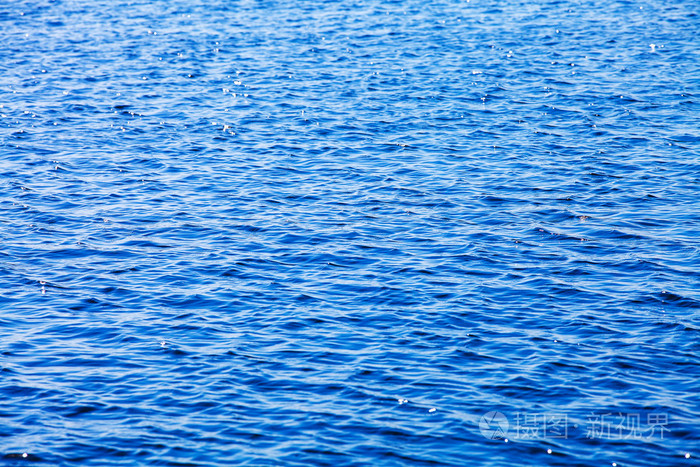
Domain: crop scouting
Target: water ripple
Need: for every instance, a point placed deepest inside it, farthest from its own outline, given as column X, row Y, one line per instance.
column 349, row 233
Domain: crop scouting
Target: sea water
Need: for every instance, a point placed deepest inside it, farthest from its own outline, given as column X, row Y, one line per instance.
column 362, row 232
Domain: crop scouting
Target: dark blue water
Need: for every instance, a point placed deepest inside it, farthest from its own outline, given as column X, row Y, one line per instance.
column 363, row 232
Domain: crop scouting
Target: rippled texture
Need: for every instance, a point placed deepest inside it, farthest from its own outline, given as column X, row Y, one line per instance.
column 340, row 233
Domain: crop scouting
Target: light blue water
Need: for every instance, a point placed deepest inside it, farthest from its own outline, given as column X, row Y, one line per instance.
column 350, row 233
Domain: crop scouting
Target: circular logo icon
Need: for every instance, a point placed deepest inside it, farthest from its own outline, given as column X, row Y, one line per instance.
column 494, row 425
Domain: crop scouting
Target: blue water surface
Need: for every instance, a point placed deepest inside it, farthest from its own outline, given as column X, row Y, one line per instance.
column 360, row 232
